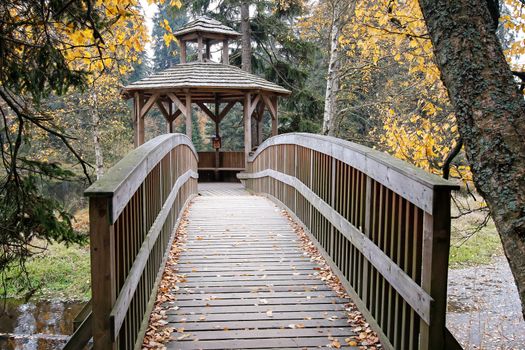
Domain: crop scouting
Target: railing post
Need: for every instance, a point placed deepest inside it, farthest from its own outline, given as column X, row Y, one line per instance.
column 295, row 174
column 104, row 293
column 310, row 186
column 366, row 231
column 434, row 273
column 332, row 203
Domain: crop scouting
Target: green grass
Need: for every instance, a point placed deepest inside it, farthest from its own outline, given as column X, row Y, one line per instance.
column 469, row 249
column 61, row 273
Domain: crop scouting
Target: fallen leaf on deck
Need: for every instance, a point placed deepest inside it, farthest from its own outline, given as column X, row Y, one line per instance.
column 335, row 343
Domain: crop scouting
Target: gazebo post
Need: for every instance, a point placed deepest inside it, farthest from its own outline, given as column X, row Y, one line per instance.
column 208, row 49
column 275, row 119
column 247, row 127
column 199, row 48
column 182, row 51
column 260, row 122
column 188, row 115
column 225, row 52
column 138, row 120
column 170, row 120
column 204, row 82
column 217, row 150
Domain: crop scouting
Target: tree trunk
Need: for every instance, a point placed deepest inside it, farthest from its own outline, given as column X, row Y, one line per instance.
column 95, row 120
column 490, row 114
column 339, row 11
column 246, row 55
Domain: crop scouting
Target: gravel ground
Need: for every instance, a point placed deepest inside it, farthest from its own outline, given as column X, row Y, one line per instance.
column 484, row 310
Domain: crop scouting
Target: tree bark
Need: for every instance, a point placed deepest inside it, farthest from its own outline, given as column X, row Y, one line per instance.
column 246, row 53
column 339, row 11
column 95, row 120
column 490, row 114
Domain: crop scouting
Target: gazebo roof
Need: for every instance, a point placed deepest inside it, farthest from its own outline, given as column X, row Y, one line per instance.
column 208, row 26
column 204, row 76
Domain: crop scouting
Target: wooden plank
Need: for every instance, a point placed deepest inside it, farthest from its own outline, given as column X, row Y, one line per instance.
column 258, row 295
column 203, row 325
column 234, row 286
column 302, row 333
column 278, row 343
column 254, row 289
column 297, row 301
column 297, row 316
column 404, row 284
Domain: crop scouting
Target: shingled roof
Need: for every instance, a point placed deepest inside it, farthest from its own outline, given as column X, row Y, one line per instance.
column 206, row 25
column 204, row 75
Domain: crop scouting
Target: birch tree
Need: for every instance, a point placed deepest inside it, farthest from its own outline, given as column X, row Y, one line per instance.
column 340, row 12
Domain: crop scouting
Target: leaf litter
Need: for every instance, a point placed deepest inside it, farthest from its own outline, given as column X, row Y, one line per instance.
column 158, row 332
column 365, row 337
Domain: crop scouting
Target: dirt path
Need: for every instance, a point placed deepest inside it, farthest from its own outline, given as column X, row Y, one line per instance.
column 484, row 310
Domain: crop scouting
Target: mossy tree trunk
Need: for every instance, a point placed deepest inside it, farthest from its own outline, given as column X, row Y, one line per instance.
column 490, row 113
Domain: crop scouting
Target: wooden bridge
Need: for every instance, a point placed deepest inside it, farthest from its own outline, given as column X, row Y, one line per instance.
column 382, row 225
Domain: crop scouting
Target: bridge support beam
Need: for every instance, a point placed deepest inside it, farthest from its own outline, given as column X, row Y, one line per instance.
column 247, row 127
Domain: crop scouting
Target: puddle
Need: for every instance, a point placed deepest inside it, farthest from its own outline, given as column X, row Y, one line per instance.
column 42, row 325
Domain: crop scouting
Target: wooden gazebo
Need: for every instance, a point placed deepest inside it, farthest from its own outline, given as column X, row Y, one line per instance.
column 214, row 87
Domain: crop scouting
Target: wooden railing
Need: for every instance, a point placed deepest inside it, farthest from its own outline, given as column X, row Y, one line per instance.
column 133, row 211
column 228, row 160
column 382, row 224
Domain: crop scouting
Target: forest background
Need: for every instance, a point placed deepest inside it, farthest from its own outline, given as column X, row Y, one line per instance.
column 363, row 71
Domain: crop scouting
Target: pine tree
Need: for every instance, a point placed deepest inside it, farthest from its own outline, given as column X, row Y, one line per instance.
column 166, row 56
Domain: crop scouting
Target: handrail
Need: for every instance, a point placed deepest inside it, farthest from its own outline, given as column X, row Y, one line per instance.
column 380, row 166
column 134, row 210
column 382, row 224
column 122, row 180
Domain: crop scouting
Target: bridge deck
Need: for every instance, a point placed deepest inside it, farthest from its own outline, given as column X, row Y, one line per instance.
column 247, row 282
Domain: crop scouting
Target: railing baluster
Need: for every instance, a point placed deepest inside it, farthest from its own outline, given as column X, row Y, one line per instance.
column 366, row 211
column 130, row 229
